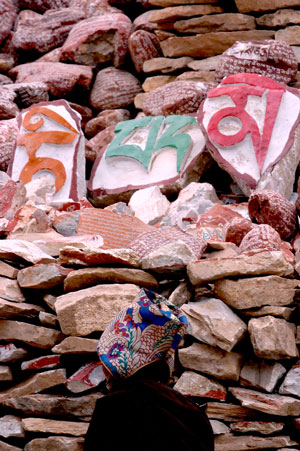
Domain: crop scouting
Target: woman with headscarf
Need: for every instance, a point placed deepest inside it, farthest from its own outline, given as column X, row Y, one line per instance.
column 140, row 412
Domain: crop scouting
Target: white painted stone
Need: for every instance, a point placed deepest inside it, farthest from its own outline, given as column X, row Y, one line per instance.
column 10, row 353
column 172, row 256
column 261, row 374
column 149, row 204
column 193, row 384
column 11, row 426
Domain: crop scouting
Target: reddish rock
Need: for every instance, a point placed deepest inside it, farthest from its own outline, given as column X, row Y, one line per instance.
column 12, row 197
column 142, row 46
column 97, row 144
column 105, row 119
column 272, row 58
column 41, row 363
column 114, row 88
column 142, row 22
column 177, row 97
column 270, row 207
column 235, row 230
column 8, row 138
column 98, row 39
column 8, row 14
column 50, row 57
column 43, row 5
column 42, row 276
column 61, row 78
column 94, row 8
column 8, row 109
column 262, row 237
column 29, row 93
column 87, row 377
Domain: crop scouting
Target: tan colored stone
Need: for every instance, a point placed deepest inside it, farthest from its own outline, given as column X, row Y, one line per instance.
column 230, row 442
column 52, row 242
column 178, row 12
column 206, row 64
column 181, row 294
column 47, row 319
column 230, row 412
column 7, row 270
column 55, row 443
column 216, row 23
column 270, row 404
column 139, row 100
column 11, row 249
column 5, row 374
column 262, row 427
column 261, row 374
column 210, row 360
column 87, row 277
column 54, row 426
column 42, row 276
column 273, row 338
column 166, row 65
column 219, row 427
column 256, row 291
column 209, row 44
column 35, row 384
column 6, row 447
column 193, row 384
column 40, row 337
column 247, row 6
column 273, row 310
column 10, row 290
column 97, row 256
column 11, row 309
column 201, row 76
column 291, row 35
column 281, row 18
column 92, row 309
column 76, row 345
column 248, row 264
column 156, row 82
column 165, row 3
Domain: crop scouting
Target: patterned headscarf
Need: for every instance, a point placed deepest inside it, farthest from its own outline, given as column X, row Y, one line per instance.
column 149, row 330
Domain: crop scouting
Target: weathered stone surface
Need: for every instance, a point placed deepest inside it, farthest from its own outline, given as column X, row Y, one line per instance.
column 44, row 5
column 60, row 78
column 8, row 109
column 8, row 14
column 281, row 312
column 97, row 145
column 29, row 93
column 47, row 319
column 207, row 78
column 76, row 345
column 6, row 63
column 42, row 276
column 270, row 207
column 90, row 257
column 230, row 442
column 54, row 426
column 218, row 427
column 10, row 290
column 46, row 32
column 94, row 8
column 181, row 294
column 272, row 338
column 172, row 13
column 165, row 3
column 98, row 39
column 52, row 243
column 271, row 404
column 280, row 18
column 5, row 373
column 262, row 237
column 289, row 35
column 230, row 412
column 290, row 385
column 250, row 264
column 193, row 384
column 41, row 363
column 87, row 377
column 157, row 81
column 262, row 427
column 92, row 309
column 212, row 322
column 206, row 64
column 210, row 44
column 256, row 291
column 149, row 204
column 11, row 426
column 40, row 337
column 211, row 360
column 236, row 229
column 87, row 277
column 8, row 138
column 59, row 443
column 106, row 118
column 166, row 65
column 244, row 6
column 10, row 353
column 11, row 249
column 215, row 23
column 13, row 309
column 142, row 46
column 261, row 374
column 114, row 88
column 35, row 384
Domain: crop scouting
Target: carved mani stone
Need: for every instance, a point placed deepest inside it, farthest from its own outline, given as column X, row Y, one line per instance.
column 146, row 152
column 50, row 140
column 251, row 124
column 261, row 237
column 271, row 58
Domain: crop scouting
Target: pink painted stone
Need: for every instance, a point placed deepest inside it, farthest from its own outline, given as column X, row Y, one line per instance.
column 87, row 377
column 8, row 109
column 12, row 197
column 242, row 119
column 142, row 22
column 8, row 14
column 261, row 237
column 235, row 230
column 50, row 139
column 46, row 32
column 270, row 207
column 114, row 88
column 142, row 46
column 8, row 139
column 61, row 78
column 98, row 39
column 98, row 143
column 145, row 152
column 271, row 58
column 105, row 119
column 43, row 5
column 41, row 363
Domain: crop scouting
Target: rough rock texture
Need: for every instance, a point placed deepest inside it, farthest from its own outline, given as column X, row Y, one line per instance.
column 8, row 14
column 193, row 384
column 215, row 22
column 262, row 236
column 44, row 5
column 59, row 443
column 142, row 46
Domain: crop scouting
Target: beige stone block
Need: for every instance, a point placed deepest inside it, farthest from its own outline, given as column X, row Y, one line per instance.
column 216, row 23
column 280, row 18
column 76, row 345
column 177, row 12
column 273, row 310
column 40, row 337
column 7, row 270
column 230, row 442
column 261, row 427
column 198, row 76
column 55, row 443
column 12, row 309
column 166, row 65
column 166, row 3
column 54, row 427
column 291, row 35
column 193, row 384
column 92, row 309
column 230, row 412
column 10, row 290
column 6, row 447
column 247, row 6
column 156, row 82
column 42, row 276
column 139, row 100
column 5, row 373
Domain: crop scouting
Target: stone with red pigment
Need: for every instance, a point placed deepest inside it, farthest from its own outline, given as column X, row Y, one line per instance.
column 148, row 242
column 43, row 33
column 105, row 118
column 50, row 139
column 8, row 15
column 94, row 8
column 12, row 197
column 98, row 143
column 8, row 108
column 142, row 22
column 143, row 46
column 177, row 97
column 273, row 59
column 29, row 93
column 87, row 377
column 114, row 88
column 61, row 78
column 8, row 139
column 85, row 112
column 262, row 237
column 43, row 5
column 270, row 207
column 98, row 39
column 10, row 353
column 41, row 363
column 243, row 119
column 236, row 229
column 145, row 152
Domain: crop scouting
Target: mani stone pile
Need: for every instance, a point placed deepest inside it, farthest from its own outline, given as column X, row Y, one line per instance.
column 151, row 144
